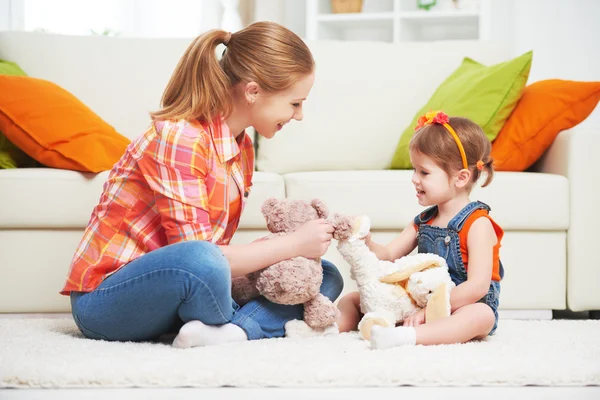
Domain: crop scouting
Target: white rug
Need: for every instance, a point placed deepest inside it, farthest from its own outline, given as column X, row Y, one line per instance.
column 52, row 353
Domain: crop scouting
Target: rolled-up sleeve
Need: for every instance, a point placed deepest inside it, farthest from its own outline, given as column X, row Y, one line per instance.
column 175, row 167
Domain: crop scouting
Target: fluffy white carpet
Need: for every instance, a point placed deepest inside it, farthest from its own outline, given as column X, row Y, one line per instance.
column 52, row 353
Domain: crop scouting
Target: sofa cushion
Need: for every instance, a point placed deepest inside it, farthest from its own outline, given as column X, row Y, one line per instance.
column 519, row 200
column 10, row 155
column 352, row 119
column 11, row 68
column 545, row 109
column 78, row 63
column 54, row 198
column 55, row 127
column 485, row 94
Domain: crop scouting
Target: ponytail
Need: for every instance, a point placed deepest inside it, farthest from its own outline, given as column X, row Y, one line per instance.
column 264, row 52
column 199, row 88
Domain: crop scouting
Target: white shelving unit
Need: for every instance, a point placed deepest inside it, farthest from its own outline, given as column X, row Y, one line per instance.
column 399, row 20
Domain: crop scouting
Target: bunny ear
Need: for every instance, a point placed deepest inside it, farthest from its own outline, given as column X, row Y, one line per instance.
column 408, row 271
column 321, row 208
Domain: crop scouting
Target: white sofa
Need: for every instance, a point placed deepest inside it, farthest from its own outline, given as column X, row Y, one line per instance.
column 364, row 96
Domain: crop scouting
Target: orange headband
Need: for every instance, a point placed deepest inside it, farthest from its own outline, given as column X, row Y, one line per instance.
column 439, row 117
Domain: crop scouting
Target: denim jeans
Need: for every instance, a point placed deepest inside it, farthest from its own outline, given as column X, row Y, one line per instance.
column 159, row 291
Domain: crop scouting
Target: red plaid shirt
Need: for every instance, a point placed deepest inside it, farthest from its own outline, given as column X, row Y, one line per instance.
column 171, row 185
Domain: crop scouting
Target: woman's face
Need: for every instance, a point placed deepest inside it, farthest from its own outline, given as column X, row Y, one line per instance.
column 271, row 111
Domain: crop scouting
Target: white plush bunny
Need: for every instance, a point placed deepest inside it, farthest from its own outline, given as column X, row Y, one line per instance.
column 391, row 291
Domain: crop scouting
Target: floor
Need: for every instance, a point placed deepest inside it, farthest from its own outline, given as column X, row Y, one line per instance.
column 422, row 393
column 446, row 393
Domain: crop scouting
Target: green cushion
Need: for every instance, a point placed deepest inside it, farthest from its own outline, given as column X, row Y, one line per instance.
column 10, row 155
column 10, row 68
column 486, row 95
column 13, row 157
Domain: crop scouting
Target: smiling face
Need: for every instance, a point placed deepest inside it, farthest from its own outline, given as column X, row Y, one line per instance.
column 431, row 182
column 271, row 111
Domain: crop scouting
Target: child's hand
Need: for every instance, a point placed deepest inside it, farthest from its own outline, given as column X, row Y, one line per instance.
column 368, row 240
column 416, row 319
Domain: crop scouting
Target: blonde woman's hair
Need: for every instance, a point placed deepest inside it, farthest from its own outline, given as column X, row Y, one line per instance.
column 264, row 52
column 436, row 142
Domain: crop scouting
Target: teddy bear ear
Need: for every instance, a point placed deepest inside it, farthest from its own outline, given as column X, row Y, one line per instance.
column 321, row 208
column 269, row 206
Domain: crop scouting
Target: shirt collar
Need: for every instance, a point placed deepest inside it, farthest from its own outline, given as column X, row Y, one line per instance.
column 225, row 143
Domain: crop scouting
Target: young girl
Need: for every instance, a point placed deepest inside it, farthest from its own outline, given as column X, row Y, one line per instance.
column 155, row 254
column 448, row 155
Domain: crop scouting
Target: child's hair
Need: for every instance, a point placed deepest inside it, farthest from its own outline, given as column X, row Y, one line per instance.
column 264, row 52
column 435, row 141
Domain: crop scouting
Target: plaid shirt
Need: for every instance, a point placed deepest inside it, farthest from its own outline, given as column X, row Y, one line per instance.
column 171, row 185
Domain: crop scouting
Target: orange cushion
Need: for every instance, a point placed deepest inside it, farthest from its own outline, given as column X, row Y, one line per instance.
column 55, row 128
column 544, row 110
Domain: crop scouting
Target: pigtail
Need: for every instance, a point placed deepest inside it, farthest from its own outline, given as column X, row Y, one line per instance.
column 199, row 87
column 488, row 168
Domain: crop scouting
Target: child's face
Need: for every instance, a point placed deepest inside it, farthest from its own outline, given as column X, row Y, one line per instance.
column 272, row 111
column 431, row 182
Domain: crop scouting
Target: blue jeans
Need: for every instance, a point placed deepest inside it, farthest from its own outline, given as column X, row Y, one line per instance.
column 158, row 292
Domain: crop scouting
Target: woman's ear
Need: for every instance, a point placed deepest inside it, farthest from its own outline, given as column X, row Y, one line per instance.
column 251, row 92
column 462, row 178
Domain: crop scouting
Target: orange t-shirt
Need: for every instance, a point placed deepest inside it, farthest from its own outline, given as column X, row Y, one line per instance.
column 235, row 208
column 464, row 234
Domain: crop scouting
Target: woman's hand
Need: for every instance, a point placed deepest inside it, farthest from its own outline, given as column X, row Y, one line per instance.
column 313, row 238
column 416, row 319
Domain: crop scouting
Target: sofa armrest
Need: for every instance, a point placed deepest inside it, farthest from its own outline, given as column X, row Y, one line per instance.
column 574, row 154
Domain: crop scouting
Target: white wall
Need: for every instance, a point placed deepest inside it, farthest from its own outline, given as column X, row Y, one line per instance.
column 11, row 15
column 146, row 18
column 5, row 15
column 149, row 18
column 563, row 34
column 565, row 38
column 290, row 13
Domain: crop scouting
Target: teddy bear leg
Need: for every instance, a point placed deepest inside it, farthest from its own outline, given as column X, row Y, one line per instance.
column 293, row 281
column 243, row 289
column 381, row 318
column 320, row 312
column 438, row 305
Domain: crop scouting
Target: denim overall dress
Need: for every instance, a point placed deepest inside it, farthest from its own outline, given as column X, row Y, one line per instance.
column 445, row 242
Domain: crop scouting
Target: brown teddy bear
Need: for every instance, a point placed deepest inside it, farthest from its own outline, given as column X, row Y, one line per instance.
column 297, row 280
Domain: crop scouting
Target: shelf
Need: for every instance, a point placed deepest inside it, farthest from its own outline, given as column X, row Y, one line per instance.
column 440, row 17
column 397, row 21
column 383, row 20
column 355, row 17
